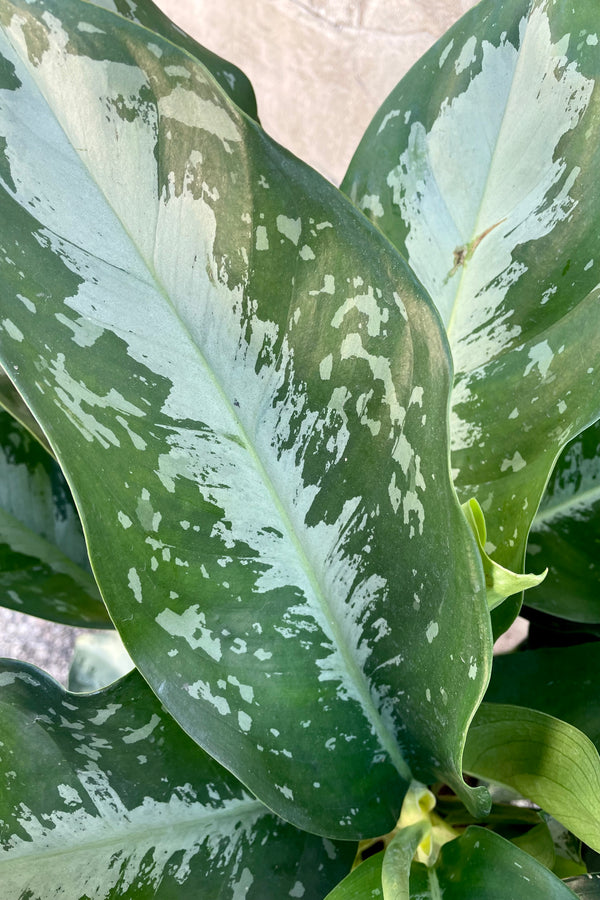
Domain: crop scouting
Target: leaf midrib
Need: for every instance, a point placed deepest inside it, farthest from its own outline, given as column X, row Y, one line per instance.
column 357, row 676
column 477, row 229
column 206, row 820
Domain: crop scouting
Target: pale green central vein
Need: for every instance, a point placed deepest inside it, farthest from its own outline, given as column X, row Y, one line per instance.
column 355, row 672
column 478, row 226
column 201, row 825
column 566, row 507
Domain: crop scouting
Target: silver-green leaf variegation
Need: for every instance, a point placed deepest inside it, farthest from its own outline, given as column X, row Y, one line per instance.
column 103, row 795
column 44, row 568
column 566, row 533
column 247, row 389
column 482, row 168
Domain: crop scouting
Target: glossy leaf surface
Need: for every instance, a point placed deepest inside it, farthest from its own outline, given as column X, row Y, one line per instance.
column 363, row 883
column 104, row 796
column 548, row 761
column 482, row 168
column 538, row 843
column 247, row 367
column 566, row 533
column 12, row 402
column 481, row 865
column 44, row 570
column 560, row 681
column 230, row 78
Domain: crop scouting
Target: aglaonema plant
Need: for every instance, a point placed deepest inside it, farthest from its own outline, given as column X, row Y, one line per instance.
column 294, row 457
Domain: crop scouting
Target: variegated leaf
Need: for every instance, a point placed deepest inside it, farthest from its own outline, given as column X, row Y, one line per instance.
column 248, row 390
column 231, row 79
column 12, row 402
column 481, row 865
column 482, row 168
column 44, row 568
column 103, row 796
column 566, row 533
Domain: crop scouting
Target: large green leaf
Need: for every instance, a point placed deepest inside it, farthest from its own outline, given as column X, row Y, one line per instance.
column 544, row 759
column 566, row 533
column 481, row 865
column 102, row 795
column 482, row 168
column 363, row 883
column 248, row 392
column 230, row 78
column 560, row 681
column 44, row 569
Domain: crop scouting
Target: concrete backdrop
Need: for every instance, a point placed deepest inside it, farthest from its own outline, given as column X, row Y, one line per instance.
column 320, row 69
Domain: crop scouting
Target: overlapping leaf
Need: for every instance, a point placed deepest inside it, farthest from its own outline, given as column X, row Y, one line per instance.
column 248, row 390
column 44, row 569
column 479, row 865
column 12, row 402
column 560, row 681
column 566, row 533
column 231, row 79
column 542, row 758
column 482, row 168
column 102, row 795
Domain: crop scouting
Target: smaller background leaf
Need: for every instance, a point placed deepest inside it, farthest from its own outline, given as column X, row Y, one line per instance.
column 544, row 759
column 13, row 403
column 559, row 681
column 44, row 568
column 363, row 883
column 99, row 659
column 587, row 887
column 565, row 534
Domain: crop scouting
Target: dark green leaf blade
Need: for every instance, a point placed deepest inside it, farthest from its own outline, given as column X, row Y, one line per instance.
column 230, row 77
column 12, row 402
column 482, row 167
column 542, row 758
column 224, row 340
column 481, row 865
column 560, row 681
column 566, row 533
column 363, row 883
column 44, row 569
column 104, row 796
